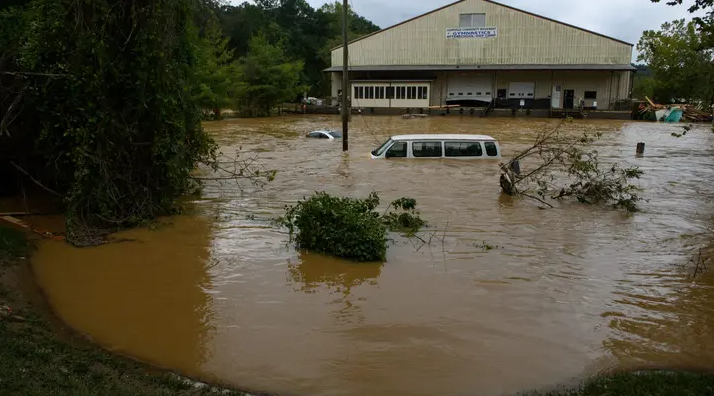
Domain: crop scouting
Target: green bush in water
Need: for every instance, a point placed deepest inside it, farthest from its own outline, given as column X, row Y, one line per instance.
column 349, row 228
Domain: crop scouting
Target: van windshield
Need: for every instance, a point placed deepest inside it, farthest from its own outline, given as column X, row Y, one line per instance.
column 378, row 152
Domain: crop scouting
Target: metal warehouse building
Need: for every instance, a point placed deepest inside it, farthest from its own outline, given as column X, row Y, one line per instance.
column 480, row 53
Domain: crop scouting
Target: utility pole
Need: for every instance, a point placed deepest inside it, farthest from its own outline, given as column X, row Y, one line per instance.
column 345, row 80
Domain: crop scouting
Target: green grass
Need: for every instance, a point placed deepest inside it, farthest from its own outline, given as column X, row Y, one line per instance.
column 645, row 383
column 35, row 361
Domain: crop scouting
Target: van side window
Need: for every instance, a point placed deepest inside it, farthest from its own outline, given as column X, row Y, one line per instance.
column 463, row 149
column 426, row 149
column 398, row 150
column 491, row 149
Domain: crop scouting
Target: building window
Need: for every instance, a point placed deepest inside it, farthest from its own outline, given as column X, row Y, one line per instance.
column 590, row 94
column 411, row 92
column 371, row 92
column 426, row 149
column 390, row 92
column 422, row 93
column 356, row 92
column 472, row 20
column 401, row 92
column 463, row 149
column 381, row 93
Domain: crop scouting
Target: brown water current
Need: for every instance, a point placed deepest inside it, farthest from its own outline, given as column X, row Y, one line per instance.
column 567, row 292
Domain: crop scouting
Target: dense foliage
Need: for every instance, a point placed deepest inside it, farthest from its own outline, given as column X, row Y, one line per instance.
column 268, row 77
column 704, row 24
column 348, row 227
column 306, row 34
column 101, row 101
column 108, row 117
column 682, row 69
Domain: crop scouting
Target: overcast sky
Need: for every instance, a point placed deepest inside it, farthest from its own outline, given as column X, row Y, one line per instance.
column 622, row 19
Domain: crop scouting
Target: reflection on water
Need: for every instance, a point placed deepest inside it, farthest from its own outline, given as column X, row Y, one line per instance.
column 569, row 292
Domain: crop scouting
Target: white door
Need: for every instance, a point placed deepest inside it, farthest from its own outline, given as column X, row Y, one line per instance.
column 555, row 97
column 470, row 86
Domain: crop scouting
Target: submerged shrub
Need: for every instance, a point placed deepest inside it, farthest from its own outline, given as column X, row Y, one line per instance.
column 347, row 227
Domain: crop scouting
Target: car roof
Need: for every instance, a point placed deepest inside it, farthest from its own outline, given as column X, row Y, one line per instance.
column 442, row 137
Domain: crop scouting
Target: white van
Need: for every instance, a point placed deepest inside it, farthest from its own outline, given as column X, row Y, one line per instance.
column 439, row 146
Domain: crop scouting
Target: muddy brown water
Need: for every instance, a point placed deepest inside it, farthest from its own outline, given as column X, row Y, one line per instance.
column 567, row 293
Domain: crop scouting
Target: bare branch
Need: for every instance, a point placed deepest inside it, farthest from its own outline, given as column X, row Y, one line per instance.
column 34, row 180
column 23, row 74
column 9, row 117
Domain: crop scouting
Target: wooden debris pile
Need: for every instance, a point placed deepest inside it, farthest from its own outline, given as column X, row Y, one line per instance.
column 690, row 113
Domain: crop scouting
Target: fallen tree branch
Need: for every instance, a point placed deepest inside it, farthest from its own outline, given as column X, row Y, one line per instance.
column 23, row 74
column 16, row 166
column 537, row 199
column 6, row 120
column 566, row 166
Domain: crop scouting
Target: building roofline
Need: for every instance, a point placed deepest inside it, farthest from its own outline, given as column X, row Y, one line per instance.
column 487, row 1
column 520, row 67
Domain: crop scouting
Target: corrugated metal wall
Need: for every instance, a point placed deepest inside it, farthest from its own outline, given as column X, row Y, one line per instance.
column 522, row 39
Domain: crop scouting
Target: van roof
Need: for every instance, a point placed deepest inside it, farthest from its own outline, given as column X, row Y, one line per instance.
column 442, row 137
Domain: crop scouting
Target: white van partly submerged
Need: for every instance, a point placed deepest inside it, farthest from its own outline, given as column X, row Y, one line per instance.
column 439, row 146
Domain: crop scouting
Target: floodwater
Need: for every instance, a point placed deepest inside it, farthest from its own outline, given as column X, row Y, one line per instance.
column 565, row 293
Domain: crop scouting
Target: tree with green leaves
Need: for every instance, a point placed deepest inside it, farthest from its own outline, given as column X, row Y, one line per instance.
column 269, row 77
column 704, row 24
column 307, row 34
column 681, row 69
column 217, row 73
column 100, row 104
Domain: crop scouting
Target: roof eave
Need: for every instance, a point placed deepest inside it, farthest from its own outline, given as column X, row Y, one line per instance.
column 521, row 67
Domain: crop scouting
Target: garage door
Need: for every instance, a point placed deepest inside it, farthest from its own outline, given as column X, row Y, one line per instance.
column 521, row 90
column 470, row 87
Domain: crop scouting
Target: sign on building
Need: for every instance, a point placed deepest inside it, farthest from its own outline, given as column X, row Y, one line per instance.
column 469, row 33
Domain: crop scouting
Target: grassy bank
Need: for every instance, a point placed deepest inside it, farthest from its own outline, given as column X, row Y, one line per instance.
column 36, row 360
column 652, row 383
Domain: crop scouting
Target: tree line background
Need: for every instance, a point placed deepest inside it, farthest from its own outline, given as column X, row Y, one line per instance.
column 273, row 51
column 678, row 60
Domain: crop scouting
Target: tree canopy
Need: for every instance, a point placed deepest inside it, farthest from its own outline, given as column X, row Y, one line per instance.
column 101, row 101
column 704, row 24
column 306, row 34
column 681, row 68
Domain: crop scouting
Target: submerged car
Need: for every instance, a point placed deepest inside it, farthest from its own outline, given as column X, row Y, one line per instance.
column 439, row 146
column 324, row 135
